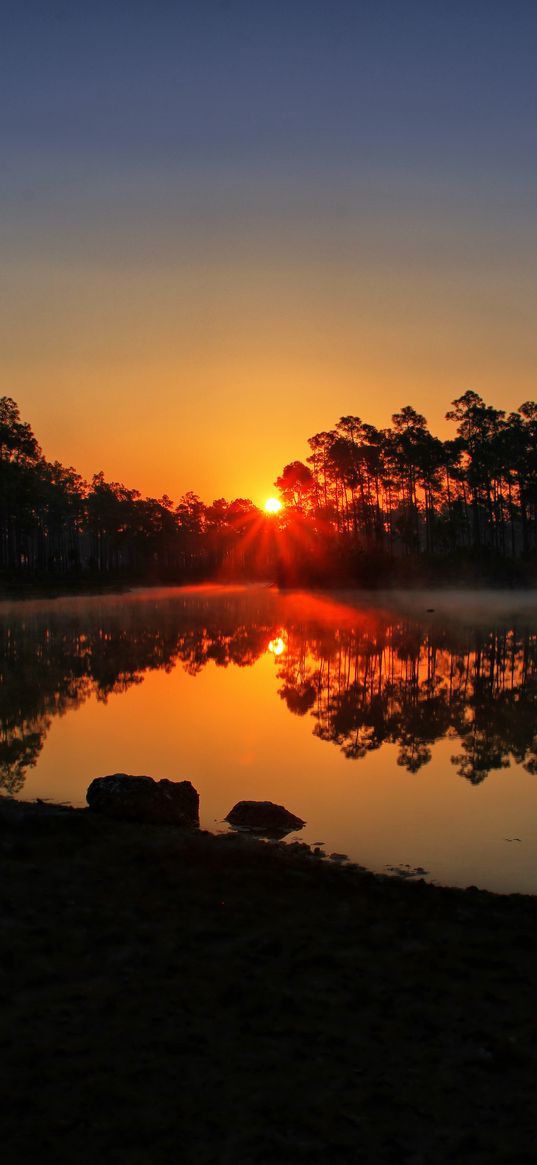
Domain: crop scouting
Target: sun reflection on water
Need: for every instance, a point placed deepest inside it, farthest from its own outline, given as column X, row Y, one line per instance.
column 277, row 646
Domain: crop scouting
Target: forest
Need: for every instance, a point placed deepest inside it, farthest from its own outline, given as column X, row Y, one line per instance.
column 368, row 506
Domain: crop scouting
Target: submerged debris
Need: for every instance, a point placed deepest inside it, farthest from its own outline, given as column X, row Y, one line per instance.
column 406, row 871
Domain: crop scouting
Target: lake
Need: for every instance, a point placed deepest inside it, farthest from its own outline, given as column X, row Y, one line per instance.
column 401, row 727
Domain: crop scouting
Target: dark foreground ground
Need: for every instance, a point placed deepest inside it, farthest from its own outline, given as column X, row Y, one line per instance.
column 183, row 998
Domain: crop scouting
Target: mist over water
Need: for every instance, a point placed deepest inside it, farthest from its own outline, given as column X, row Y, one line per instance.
column 401, row 726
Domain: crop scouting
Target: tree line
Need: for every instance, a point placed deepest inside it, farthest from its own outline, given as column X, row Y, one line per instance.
column 53, row 523
column 384, row 496
column 368, row 505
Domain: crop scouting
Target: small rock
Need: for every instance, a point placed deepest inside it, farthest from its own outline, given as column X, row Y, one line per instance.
column 143, row 799
column 264, row 817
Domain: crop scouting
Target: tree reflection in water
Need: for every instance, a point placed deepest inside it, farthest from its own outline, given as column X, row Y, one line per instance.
column 414, row 686
column 366, row 677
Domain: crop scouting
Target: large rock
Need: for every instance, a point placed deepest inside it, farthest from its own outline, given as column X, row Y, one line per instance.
column 143, row 799
column 264, row 817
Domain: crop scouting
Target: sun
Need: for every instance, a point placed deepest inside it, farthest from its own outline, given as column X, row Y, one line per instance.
column 273, row 506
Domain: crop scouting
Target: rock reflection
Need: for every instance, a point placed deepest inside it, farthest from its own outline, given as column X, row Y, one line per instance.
column 364, row 678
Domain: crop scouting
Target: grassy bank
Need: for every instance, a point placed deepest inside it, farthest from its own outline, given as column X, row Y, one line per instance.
column 183, row 997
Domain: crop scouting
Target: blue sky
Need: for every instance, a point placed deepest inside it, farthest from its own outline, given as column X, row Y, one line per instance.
column 262, row 216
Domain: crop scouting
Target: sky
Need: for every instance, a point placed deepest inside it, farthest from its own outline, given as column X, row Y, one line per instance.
column 226, row 223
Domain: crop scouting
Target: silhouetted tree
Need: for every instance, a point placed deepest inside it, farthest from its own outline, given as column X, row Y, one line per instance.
column 371, row 505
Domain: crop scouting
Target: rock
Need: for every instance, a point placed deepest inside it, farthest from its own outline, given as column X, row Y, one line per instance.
column 143, row 799
column 264, row 817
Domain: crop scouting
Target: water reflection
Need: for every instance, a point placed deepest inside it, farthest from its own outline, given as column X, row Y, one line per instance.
column 410, row 685
column 277, row 646
column 362, row 676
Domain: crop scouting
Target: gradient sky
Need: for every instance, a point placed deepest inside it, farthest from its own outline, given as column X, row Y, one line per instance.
column 225, row 224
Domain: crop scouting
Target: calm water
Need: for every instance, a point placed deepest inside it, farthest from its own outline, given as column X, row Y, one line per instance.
column 406, row 737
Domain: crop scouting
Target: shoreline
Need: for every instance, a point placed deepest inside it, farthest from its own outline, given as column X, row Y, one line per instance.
column 250, row 1003
column 273, row 851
